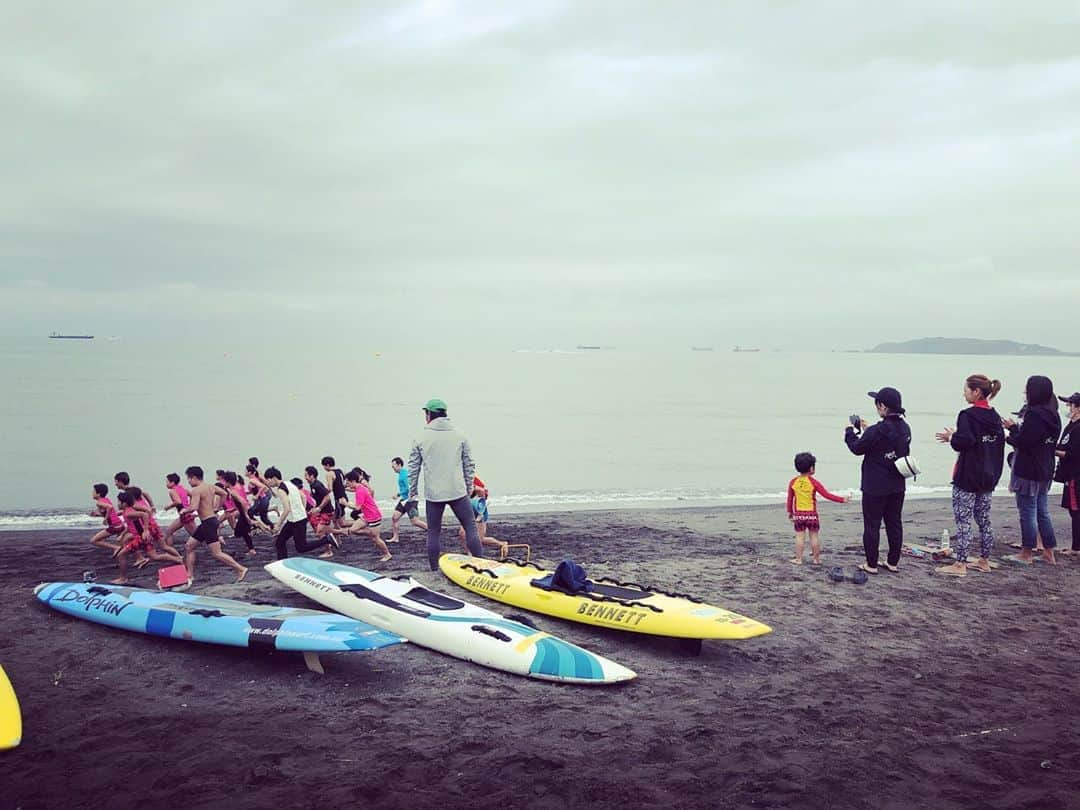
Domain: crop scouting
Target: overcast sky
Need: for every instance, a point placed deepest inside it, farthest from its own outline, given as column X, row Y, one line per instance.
column 542, row 173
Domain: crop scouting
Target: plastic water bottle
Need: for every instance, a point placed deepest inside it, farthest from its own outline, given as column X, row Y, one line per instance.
column 945, row 541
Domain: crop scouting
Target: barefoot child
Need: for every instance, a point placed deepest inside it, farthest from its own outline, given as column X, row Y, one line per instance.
column 136, row 536
column 367, row 517
column 145, row 504
column 802, row 507
column 480, row 513
column 180, row 500
column 404, row 505
column 320, row 516
column 114, row 525
column 235, row 493
column 260, row 509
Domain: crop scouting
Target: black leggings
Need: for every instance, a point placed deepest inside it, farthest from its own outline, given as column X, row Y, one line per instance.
column 1075, row 515
column 875, row 508
column 259, row 510
column 243, row 530
column 297, row 530
column 463, row 511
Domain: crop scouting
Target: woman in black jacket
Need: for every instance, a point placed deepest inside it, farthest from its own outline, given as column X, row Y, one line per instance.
column 1068, row 470
column 979, row 438
column 882, row 485
column 1035, row 440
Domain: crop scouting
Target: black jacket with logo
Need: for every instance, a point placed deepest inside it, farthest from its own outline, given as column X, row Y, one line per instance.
column 980, row 440
column 1035, row 441
column 880, row 446
column 1069, row 464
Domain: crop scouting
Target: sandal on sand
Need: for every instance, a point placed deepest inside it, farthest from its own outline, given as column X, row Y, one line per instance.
column 867, row 569
column 859, row 577
column 836, row 574
column 1018, row 560
column 951, row 571
column 892, row 569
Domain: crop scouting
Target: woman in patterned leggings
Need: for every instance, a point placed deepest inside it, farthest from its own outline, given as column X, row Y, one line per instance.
column 979, row 438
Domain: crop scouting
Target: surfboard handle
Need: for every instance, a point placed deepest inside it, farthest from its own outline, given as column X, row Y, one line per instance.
column 491, row 631
column 311, row 660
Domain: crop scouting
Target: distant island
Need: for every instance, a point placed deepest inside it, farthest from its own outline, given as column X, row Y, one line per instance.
column 941, row 345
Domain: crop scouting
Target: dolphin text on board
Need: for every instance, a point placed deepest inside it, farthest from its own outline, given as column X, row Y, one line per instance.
column 90, row 602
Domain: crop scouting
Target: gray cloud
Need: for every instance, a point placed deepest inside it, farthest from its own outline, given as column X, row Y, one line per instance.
column 630, row 172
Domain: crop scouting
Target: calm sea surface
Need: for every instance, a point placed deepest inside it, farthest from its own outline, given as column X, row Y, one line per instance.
column 549, row 430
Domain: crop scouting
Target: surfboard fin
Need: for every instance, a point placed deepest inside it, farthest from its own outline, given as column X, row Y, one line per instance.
column 689, row 646
column 311, row 660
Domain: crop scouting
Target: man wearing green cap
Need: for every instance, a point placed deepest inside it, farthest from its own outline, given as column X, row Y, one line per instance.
column 443, row 453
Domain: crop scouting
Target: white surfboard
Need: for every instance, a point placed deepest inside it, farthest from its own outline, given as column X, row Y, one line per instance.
column 445, row 624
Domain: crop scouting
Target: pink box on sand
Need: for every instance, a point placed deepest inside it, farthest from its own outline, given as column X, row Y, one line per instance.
column 171, row 577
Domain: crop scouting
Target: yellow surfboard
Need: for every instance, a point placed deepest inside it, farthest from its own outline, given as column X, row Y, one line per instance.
column 612, row 604
column 10, row 717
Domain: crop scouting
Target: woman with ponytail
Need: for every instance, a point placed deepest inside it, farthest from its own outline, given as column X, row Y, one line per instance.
column 979, row 438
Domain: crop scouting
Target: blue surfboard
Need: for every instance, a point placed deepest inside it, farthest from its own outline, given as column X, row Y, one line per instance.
column 192, row 617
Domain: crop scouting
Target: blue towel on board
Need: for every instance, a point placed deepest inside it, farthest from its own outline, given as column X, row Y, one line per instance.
column 569, row 576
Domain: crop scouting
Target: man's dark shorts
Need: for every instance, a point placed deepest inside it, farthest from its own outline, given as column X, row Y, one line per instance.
column 408, row 508
column 207, row 531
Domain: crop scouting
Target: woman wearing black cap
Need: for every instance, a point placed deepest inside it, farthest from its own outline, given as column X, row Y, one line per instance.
column 883, row 486
column 1035, row 440
column 1068, row 469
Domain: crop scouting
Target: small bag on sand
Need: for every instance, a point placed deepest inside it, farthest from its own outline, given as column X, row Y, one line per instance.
column 171, row 576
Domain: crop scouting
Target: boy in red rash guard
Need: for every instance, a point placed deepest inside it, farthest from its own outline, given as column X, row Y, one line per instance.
column 802, row 507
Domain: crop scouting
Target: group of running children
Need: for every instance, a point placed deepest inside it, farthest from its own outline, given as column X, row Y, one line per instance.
column 132, row 532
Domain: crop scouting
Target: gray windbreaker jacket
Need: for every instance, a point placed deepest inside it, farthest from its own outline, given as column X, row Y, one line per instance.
column 443, row 453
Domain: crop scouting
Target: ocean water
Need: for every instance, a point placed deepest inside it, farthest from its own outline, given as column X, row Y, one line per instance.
column 551, row 430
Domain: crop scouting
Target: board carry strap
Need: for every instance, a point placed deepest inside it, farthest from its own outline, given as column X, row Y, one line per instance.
column 491, row 631
column 597, row 597
column 652, row 588
column 471, row 567
column 210, row 614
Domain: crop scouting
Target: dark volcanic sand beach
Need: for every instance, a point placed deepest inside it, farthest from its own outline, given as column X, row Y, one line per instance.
column 911, row 691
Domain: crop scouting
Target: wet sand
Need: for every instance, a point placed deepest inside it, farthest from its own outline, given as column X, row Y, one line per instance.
column 910, row 691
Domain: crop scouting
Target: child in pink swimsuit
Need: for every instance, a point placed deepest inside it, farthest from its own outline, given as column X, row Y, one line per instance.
column 137, row 536
column 181, row 499
column 114, row 526
column 366, row 516
column 242, row 529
